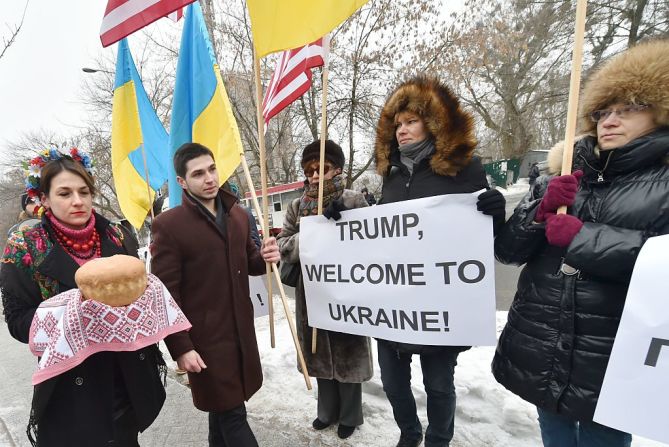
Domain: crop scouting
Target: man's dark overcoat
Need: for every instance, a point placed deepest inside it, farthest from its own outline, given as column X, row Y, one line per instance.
column 206, row 270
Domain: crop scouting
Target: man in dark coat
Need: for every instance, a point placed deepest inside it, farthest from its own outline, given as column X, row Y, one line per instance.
column 561, row 327
column 424, row 147
column 203, row 252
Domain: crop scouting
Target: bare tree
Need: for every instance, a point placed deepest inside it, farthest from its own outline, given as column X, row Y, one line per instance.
column 618, row 24
column 12, row 32
column 507, row 60
column 369, row 53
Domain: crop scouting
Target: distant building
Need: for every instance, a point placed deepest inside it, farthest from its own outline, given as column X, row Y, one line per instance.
column 279, row 197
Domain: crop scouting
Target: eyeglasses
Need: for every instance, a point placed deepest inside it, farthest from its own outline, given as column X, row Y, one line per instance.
column 622, row 113
column 309, row 170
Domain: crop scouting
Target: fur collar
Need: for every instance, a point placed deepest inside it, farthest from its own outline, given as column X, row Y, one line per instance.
column 451, row 127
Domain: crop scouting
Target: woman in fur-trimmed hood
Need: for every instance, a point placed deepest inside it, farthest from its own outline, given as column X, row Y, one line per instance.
column 561, row 327
column 425, row 147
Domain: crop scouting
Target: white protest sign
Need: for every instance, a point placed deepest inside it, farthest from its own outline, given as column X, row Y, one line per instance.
column 419, row 271
column 635, row 391
column 259, row 296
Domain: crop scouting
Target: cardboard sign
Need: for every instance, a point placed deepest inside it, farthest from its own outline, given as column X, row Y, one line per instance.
column 635, row 391
column 419, row 271
column 259, row 296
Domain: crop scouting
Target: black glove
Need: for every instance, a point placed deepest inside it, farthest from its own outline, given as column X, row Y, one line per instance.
column 492, row 203
column 334, row 209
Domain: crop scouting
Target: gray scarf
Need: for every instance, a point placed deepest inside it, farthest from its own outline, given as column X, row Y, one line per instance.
column 414, row 153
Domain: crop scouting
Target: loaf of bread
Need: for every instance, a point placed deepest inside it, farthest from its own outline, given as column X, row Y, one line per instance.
column 116, row 281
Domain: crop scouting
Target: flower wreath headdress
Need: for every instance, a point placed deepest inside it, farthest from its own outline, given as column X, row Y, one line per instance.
column 33, row 168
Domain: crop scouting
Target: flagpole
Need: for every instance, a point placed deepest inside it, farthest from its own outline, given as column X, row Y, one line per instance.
column 148, row 185
column 263, row 181
column 265, row 215
column 277, row 278
column 574, row 86
column 321, row 165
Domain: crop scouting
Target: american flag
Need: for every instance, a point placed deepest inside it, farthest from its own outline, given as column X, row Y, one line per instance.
column 124, row 17
column 292, row 76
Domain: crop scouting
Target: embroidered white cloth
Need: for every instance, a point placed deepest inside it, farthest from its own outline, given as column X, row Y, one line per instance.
column 66, row 330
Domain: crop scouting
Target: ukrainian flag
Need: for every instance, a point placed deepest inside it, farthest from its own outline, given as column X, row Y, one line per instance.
column 135, row 127
column 201, row 110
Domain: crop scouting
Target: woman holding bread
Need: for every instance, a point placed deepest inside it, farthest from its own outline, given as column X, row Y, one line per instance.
column 110, row 396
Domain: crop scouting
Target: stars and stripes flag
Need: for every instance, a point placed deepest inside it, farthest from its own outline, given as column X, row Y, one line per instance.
column 292, row 76
column 124, row 17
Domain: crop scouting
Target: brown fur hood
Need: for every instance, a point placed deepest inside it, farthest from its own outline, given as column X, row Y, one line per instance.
column 639, row 75
column 451, row 127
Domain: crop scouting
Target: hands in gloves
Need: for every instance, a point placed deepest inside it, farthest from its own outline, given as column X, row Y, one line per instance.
column 561, row 191
column 561, row 229
column 492, row 203
column 334, row 209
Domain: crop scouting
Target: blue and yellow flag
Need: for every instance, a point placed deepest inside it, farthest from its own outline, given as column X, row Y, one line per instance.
column 135, row 128
column 201, row 110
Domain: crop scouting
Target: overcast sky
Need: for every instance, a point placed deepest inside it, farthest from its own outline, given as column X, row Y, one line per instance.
column 40, row 74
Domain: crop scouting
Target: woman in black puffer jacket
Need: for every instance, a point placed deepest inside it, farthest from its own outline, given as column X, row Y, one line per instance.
column 555, row 347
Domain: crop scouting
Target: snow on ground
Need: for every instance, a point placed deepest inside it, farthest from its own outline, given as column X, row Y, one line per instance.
column 519, row 188
column 487, row 414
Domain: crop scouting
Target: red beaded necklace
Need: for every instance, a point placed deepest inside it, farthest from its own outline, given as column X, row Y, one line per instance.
column 83, row 244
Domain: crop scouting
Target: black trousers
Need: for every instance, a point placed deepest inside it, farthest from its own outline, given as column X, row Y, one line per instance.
column 125, row 430
column 339, row 402
column 231, row 429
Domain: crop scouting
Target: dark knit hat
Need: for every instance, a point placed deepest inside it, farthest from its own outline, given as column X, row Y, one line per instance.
column 333, row 153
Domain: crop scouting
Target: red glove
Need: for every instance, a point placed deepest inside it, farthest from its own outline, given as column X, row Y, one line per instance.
column 561, row 191
column 561, row 229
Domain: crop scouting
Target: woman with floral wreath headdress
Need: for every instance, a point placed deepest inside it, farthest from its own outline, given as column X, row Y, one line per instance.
column 110, row 396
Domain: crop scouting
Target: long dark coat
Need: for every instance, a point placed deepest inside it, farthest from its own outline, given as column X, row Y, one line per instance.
column 556, row 345
column 75, row 408
column 206, row 271
column 344, row 357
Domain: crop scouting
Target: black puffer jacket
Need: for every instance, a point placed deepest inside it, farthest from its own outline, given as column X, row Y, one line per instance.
column 555, row 347
column 399, row 185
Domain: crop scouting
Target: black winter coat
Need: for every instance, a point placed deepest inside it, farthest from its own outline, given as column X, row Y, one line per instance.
column 555, row 347
column 77, row 407
column 400, row 185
